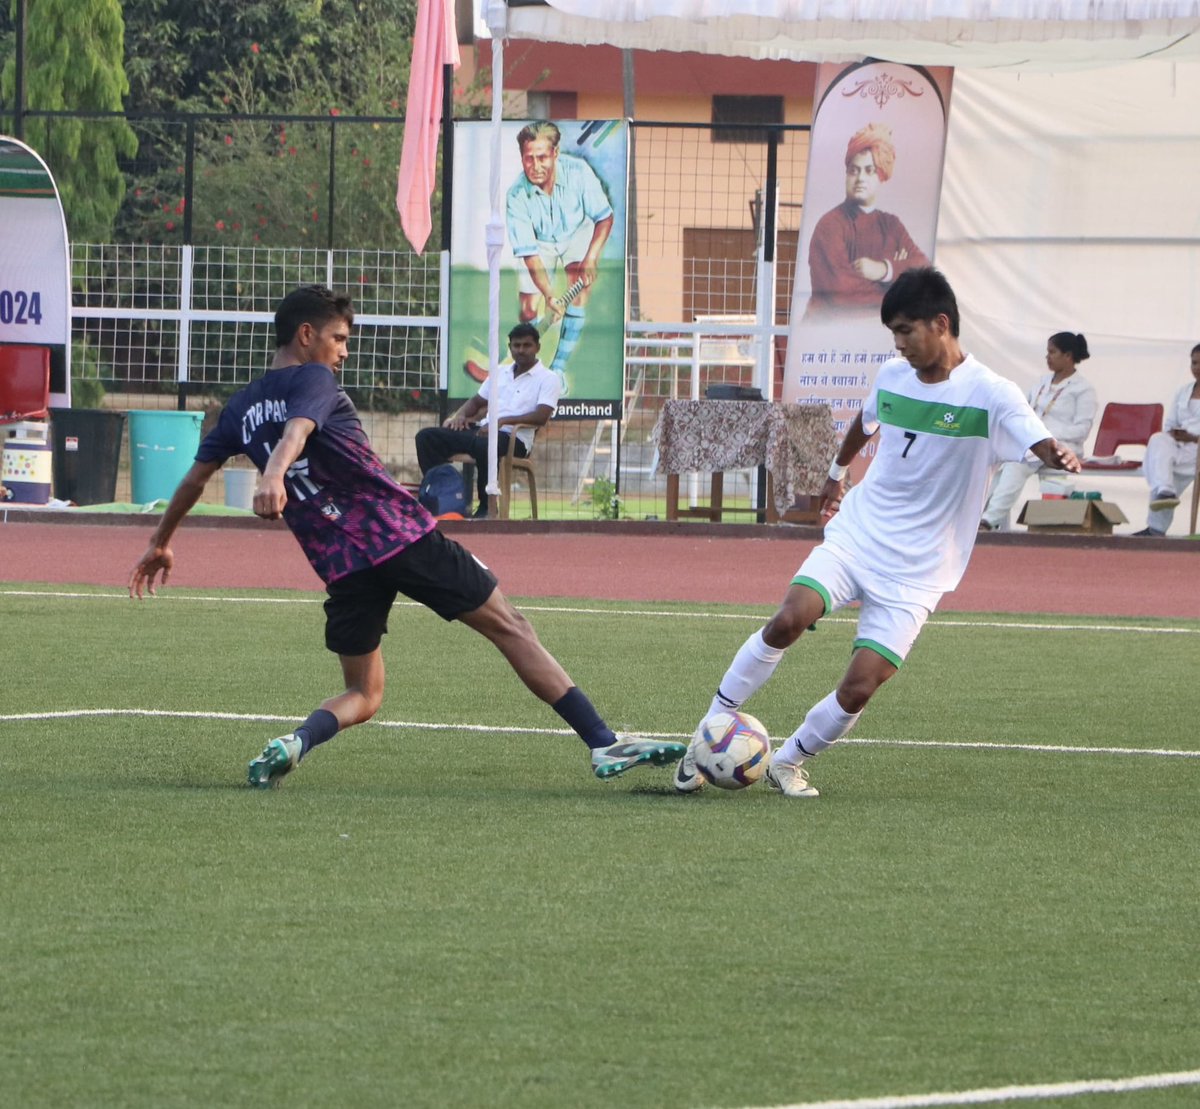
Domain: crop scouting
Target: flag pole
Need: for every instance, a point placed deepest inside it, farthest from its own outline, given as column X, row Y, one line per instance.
column 497, row 18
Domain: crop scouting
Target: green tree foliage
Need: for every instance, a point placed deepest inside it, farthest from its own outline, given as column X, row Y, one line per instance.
column 74, row 54
column 182, row 52
column 266, row 182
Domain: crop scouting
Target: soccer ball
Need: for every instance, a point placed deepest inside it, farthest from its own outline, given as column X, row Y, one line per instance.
column 732, row 749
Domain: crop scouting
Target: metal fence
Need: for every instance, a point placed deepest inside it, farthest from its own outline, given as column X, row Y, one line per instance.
column 711, row 263
column 247, row 180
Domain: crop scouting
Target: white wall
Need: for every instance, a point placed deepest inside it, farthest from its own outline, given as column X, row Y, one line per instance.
column 1071, row 202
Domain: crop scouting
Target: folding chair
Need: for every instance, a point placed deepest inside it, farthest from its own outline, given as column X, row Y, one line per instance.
column 507, row 464
column 510, row 463
column 1122, row 425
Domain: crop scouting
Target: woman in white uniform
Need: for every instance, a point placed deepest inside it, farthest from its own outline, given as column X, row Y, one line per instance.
column 1066, row 403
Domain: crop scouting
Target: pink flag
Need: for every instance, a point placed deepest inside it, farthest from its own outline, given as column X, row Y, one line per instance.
column 435, row 44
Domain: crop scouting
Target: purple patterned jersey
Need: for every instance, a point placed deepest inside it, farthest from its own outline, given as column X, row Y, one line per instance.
column 343, row 506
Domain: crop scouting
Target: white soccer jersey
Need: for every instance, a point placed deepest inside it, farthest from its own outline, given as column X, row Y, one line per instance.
column 522, row 393
column 915, row 515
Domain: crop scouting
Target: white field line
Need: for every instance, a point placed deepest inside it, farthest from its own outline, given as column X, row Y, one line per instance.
column 1010, row 1093
column 316, row 599
column 64, row 595
column 433, row 726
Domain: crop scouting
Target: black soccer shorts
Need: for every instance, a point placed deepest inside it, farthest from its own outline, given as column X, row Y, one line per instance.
column 434, row 571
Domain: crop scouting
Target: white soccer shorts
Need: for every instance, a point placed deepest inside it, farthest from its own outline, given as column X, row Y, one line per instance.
column 892, row 613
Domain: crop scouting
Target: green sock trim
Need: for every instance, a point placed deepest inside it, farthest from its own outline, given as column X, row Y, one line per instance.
column 879, row 649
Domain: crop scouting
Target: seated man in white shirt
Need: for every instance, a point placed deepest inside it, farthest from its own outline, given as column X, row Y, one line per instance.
column 528, row 394
column 1171, row 454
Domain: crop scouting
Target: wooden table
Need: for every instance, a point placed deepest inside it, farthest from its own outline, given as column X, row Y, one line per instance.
column 795, row 442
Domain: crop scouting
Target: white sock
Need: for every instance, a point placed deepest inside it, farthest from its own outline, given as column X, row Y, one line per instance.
column 754, row 663
column 824, row 725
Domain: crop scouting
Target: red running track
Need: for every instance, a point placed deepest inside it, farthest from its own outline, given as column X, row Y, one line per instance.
column 652, row 562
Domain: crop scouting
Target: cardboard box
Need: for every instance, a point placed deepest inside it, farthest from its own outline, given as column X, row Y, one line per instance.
column 1081, row 517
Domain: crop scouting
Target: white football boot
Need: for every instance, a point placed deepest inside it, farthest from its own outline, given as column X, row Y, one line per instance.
column 790, row 779
column 688, row 778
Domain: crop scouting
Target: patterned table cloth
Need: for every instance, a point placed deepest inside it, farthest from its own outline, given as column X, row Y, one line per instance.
column 796, row 442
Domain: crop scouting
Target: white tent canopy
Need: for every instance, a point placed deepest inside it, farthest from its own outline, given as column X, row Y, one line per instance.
column 1045, row 34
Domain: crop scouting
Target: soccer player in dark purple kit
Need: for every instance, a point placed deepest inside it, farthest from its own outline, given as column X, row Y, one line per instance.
column 367, row 537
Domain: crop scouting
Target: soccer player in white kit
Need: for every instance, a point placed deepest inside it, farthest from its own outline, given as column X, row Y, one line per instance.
column 902, row 537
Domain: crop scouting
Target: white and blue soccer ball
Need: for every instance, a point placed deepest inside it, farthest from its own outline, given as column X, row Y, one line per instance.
column 732, row 749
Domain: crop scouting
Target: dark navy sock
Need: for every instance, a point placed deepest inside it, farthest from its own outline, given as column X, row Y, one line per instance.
column 320, row 726
column 575, row 708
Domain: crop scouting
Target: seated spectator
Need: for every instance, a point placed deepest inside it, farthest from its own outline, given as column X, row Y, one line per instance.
column 1170, row 462
column 528, row 395
column 1066, row 402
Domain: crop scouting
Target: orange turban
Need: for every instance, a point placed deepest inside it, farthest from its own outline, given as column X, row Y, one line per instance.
column 877, row 138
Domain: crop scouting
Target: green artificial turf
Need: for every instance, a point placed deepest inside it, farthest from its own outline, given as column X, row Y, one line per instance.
column 446, row 909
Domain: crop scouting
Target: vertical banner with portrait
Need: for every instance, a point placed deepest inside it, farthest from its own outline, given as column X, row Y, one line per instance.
column 870, row 212
column 35, row 263
column 563, row 265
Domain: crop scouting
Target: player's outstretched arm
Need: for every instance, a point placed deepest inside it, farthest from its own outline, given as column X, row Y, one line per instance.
column 835, row 486
column 1056, row 456
column 158, row 559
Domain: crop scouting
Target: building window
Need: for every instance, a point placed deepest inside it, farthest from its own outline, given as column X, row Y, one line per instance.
column 745, row 109
column 552, row 105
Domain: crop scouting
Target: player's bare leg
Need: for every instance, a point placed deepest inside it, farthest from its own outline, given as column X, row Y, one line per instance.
column 544, row 676
column 357, row 703
column 754, row 664
column 827, row 721
column 504, row 626
column 529, row 304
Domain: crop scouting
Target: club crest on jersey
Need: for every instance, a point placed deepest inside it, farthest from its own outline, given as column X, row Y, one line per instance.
column 331, row 511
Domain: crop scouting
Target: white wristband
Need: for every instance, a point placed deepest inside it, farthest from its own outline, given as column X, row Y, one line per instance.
column 836, row 472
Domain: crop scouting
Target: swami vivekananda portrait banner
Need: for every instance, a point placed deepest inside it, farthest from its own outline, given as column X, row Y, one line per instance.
column 871, row 202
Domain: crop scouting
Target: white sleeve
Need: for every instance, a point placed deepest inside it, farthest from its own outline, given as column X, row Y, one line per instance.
column 1015, row 427
column 870, row 408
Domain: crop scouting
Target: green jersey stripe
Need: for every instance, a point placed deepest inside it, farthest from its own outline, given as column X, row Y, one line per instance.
column 932, row 418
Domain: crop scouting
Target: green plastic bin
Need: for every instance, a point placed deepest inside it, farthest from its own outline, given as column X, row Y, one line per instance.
column 162, row 447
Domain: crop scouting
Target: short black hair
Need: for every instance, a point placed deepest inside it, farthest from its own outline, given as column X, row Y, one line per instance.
column 526, row 331
column 920, row 294
column 313, row 304
column 1071, row 343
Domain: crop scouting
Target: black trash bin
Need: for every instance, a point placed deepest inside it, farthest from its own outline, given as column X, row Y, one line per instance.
column 87, row 452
